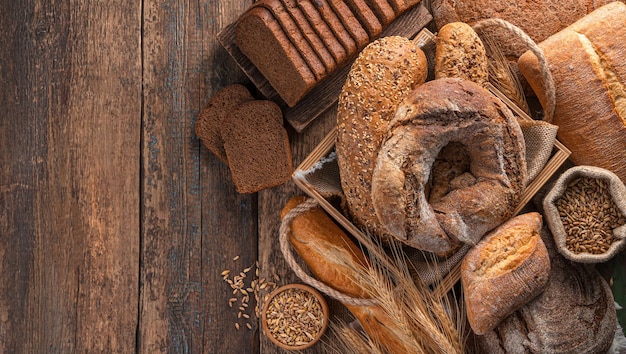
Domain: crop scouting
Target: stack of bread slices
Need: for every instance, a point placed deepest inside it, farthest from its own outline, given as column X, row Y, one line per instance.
column 296, row 44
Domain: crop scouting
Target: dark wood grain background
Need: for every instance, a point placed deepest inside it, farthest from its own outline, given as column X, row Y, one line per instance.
column 115, row 224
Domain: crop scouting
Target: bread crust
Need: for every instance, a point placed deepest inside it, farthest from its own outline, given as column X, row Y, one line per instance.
column 587, row 64
column 460, row 53
column 380, row 78
column 433, row 115
column 504, row 271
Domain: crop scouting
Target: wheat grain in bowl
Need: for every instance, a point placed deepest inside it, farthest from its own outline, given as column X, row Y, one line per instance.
column 295, row 316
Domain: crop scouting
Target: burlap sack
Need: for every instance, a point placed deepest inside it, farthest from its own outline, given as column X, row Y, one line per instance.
column 582, row 218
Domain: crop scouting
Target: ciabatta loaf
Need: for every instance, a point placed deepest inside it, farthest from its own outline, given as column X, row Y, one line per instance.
column 504, row 271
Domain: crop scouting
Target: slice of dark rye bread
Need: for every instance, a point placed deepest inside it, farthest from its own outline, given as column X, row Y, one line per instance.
column 259, row 37
column 400, row 6
column 215, row 113
column 348, row 19
column 257, row 147
column 322, row 28
column 311, row 36
column 366, row 17
column 295, row 36
column 382, row 10
column 339, row 29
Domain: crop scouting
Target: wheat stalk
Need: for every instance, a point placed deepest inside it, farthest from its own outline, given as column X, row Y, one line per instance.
column 502, row 75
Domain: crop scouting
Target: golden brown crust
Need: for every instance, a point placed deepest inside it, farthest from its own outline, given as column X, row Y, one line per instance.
column 504, row 271
column 460, row 53
column 433, row 115
column 380, row 78
column 589, row 71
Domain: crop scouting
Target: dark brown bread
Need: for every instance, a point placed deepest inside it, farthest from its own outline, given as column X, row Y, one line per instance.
column 257, row 146
column 214, row 115
column 262, row 40
column 382, row 10
column 348, row 19
column 366, row 17
column 336, row 25
column 311, row 36
column 400, row 6
column 323, row 30
column 295, row 36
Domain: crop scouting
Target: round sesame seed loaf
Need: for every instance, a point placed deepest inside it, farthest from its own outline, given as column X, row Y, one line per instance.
column 380, row 78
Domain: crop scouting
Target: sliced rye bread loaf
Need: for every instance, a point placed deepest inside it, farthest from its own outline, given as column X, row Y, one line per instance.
column 366, row 17
column 257, row 147
column 295, row 36
column 310, row 35
column 382, row 10
column 400, row 6
column 336, row 25
column 350, row 21
column 263, row 41
column 322, row 28
column 215, row 114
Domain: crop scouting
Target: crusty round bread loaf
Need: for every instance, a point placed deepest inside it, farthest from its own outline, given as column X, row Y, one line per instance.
column 588, row 65
column 460, row 53
column 434, row 115
column 574, row 314
column 380, row 78
column 504, row 271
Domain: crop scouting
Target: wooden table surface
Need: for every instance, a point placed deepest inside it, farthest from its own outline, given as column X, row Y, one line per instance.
column 115, row 223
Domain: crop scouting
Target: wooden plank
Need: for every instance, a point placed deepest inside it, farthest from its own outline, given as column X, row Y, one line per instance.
column 194, row 223
column 271, row 202
column 69, row 181
column 326, row 93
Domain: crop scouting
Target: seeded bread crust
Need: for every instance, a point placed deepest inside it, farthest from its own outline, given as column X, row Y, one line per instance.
column 295, row 36
column 311, row 36
column 257, row 146
column 215, row 113
column 380, row 78
column 263, row 41
column 350, row 22
column 322, row 28
column 460, row 53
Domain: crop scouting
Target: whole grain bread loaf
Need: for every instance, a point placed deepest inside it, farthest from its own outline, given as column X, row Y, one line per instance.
column 432, row 116
column 381, row 77
column 214, row 115
column 263, row 41
column 257, row 146
column 504, row 271
column 460, row 53
column 587, row 61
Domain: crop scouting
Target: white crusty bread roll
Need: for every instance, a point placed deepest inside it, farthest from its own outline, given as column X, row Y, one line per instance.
column 380, row 78
column 588, row 64
column 504, row 271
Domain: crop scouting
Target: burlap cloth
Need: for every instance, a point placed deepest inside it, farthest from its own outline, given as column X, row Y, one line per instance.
column 617, row 191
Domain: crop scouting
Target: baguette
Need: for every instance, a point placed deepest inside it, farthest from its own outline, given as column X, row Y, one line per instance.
column 336, row 261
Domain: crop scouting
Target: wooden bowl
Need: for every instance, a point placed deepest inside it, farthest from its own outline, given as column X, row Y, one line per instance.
column 287, row 299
